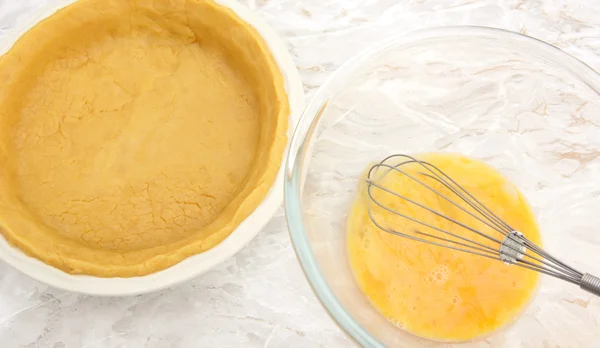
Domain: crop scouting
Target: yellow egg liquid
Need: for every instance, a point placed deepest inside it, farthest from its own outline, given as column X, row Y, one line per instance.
column 431, row 291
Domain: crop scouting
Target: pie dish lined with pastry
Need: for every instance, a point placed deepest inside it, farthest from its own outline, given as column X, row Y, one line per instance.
column 134, row 134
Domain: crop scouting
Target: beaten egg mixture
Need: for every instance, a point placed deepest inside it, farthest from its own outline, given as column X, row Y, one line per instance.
column 435, row 292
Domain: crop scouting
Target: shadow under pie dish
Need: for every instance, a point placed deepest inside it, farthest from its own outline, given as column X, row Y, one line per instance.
column 136, row 134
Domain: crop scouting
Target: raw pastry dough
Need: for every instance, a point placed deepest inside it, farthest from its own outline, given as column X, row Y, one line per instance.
column 134, row 134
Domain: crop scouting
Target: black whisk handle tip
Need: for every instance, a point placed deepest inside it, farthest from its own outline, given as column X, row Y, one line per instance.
column 590, row 284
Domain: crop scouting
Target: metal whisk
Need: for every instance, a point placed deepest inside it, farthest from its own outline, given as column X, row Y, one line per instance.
column 509, row 246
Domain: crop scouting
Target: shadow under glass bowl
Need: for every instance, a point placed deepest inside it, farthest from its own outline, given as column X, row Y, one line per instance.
column 519, row 104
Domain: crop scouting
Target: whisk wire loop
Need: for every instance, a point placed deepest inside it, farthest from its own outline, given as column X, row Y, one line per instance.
column 513, row 248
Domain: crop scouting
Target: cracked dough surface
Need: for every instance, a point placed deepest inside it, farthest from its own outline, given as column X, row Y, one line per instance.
column 136, row 133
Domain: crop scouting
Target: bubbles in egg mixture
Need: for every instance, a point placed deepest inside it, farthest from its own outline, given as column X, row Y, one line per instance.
column 439, row 275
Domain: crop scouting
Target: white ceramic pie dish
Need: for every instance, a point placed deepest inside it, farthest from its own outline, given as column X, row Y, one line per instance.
column 192, row 266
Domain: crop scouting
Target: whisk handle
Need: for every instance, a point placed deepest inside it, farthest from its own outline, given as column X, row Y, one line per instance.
column 591, row 284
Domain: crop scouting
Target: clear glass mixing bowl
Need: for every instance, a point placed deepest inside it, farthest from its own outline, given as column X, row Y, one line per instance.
column 519, row 104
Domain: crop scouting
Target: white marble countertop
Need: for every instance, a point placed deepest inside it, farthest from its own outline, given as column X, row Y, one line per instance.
column 260, row 298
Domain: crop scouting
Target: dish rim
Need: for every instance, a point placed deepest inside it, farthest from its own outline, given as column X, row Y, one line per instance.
column 194, row 265
column 300, row 146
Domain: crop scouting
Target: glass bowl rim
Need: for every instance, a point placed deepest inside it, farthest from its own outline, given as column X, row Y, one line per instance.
column 311, row 117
